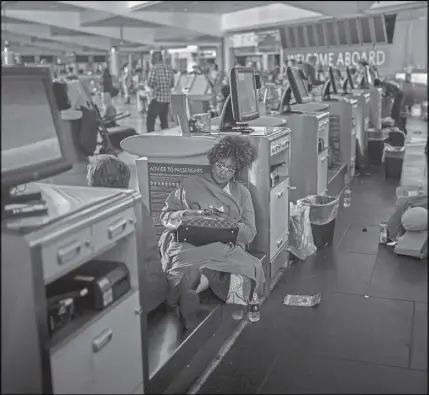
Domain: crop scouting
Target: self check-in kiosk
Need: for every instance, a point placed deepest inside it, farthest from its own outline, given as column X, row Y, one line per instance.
column 343, row 115
column 167, row 156
column 365, row 83
column 309, row 124
column 363, row 114
column 198, row 92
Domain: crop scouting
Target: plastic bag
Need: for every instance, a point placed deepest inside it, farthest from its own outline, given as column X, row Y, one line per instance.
column 301, row 242
column 323, row 208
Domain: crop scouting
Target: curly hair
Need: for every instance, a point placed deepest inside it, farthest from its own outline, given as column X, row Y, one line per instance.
column 107, row 171
column 236, row 147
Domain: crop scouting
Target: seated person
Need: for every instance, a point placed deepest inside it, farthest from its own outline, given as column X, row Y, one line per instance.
column 395, row 228
column 227, row 270
column 414, row 240
column 107, row 171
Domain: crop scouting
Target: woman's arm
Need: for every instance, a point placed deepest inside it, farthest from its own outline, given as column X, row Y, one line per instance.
column 174, row 209
column 247, row 225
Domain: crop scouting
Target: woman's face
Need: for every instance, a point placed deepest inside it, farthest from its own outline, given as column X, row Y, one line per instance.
column 224, row 170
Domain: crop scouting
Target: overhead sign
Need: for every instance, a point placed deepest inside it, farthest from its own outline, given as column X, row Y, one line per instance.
column 262, row 39
column 269, row 40
column 342, row 58
column 244, row 40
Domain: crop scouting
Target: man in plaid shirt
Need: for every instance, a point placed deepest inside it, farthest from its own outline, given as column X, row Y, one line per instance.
column 161, row 81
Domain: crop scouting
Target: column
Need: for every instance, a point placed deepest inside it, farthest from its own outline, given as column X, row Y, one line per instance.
column 220, row 57
column 227, row 54
column 114, row 66
column 265, row 64
column 7, row 57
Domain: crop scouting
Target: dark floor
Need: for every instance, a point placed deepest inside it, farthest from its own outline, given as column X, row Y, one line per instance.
column 369, row 333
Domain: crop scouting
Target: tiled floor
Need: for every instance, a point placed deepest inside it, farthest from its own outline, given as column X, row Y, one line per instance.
column 369, row 333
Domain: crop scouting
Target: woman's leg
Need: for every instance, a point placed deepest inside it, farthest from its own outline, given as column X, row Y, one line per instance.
column 183, row 295
column 204, row 284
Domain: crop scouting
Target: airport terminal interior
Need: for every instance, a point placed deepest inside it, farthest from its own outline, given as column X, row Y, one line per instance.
column 214, row 197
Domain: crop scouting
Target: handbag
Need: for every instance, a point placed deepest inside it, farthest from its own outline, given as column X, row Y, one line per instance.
column 114, row 91
column 200, row 231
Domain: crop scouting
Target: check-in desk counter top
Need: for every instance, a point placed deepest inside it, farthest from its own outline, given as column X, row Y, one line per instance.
column 267, row 180
column 311, row 107
column 98, row 351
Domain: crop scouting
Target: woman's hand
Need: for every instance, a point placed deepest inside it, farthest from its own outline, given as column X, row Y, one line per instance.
column 192, row 213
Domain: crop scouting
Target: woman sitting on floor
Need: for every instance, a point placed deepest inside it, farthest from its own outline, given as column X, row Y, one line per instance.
column 227, row 270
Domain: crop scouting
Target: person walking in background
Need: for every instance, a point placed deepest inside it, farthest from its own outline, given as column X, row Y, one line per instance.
column 107, row 85
column 161, row 81
column 309, row 69
column 125, row 82
column 398, row 111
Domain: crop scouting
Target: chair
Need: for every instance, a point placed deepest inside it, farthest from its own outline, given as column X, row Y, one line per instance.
column 112, row 134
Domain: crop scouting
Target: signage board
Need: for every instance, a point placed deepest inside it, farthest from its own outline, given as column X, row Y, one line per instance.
column 163, row 179
column 244, row 40
column 343, row 57
column 269, row 40
column 264, row 40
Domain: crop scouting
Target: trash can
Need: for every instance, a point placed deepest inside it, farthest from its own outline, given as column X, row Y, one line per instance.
column 323, row 213
column 376, row 140
column 393, row 161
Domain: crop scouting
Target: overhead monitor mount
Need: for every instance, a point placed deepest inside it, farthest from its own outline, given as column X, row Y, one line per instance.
column 227, row 121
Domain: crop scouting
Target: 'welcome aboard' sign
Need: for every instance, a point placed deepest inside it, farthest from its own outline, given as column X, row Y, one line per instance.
column 343, row 58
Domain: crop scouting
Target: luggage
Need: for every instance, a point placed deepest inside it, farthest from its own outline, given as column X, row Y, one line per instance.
column 118, row 133
column 393, row 161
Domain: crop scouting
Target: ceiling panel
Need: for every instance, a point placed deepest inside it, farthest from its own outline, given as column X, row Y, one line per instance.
column 189, row 39
column 40, row 5
column 203, row 7
column 15, row 21
column 122, row 21
column 58, row 31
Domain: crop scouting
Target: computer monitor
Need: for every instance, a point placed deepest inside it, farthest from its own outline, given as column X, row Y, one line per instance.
column 299, row 89
column 200, row 85
column 368, row 74
column 244, row 94
column 350, row 78
column 365, row 77
column 34, row 142
column 335, row 80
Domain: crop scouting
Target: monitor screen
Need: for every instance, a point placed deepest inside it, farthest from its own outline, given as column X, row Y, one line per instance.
column 31, row 128
column 28, row 134
column 189, row 80
column 244, row 95
column 200, row 85
column 368, row 76
column 335, row 80
column 296, row 81
column 350, row 78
